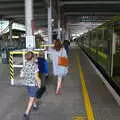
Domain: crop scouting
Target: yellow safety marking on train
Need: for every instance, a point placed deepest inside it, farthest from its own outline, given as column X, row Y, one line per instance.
column 93, row 50
column 77, row 118
column 86, row 98
column 105, row 27
column 102, row 54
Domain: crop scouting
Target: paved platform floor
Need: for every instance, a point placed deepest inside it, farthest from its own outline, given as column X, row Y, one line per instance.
column 66, row 106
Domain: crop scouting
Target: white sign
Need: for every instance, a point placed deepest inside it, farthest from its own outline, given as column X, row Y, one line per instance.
column 30, row 41
column 4, row 26
column 18, row 26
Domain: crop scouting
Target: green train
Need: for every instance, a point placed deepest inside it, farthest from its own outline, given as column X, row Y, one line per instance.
column 102, row 45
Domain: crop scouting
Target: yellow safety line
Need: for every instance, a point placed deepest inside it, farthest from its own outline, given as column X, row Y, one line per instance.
column 47, row 45
column 77, row 118
column 22, row 52
column 86, row 98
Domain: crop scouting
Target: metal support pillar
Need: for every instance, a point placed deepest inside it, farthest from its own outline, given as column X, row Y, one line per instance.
column 50, row 22
column 10, row 31
column 113, row 50
column 59, row 16
column 67, row 32
column 63, row 34
column 59, row 30
column 30, row 40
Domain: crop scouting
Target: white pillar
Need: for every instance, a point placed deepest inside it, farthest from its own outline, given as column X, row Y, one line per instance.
column 30, row 41
column 10, row 30
column 114, row 43
column 50, row 22
column 59, row 31
column 113, row 50
column 63, row 34
column 67, row 32
column 59, row 22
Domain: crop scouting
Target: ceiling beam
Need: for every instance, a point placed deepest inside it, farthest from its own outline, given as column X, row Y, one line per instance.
column 16, row 5
column 46, row 2
column 11, row 0
column 79, row 24
column 22, row 16
column 36, row 16
column 88, row 2
column 20, row 11
column 92, row 10
column 91, row 13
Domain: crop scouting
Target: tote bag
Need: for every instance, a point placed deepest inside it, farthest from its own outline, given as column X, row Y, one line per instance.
column 62, row 60
column 40, row 92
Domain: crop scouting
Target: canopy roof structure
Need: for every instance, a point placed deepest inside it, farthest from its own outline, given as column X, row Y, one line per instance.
column 74, row 12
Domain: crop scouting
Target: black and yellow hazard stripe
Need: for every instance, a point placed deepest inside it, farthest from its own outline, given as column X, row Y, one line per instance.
column 11, row 67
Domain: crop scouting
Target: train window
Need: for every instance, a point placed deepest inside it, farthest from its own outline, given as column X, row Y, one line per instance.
column 118, row 44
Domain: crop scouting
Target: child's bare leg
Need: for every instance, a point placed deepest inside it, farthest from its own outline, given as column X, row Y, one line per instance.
column 29, row 106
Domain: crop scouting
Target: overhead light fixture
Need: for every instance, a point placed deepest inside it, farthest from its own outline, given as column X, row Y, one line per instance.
column 15, row 37
column 52, row 20
column 38, row 32
column 60, row 29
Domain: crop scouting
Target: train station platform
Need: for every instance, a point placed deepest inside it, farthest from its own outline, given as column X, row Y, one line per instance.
column 84, row 95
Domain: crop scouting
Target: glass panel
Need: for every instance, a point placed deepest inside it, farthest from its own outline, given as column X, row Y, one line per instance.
column 116, row 56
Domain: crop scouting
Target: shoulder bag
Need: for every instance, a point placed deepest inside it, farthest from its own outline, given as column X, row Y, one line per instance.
column 62, row 60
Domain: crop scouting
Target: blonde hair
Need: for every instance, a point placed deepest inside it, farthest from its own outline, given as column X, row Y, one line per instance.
column 29, row 55
column 41, row 53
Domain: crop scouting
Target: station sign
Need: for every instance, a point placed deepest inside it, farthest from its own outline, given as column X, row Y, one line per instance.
column 30, row 42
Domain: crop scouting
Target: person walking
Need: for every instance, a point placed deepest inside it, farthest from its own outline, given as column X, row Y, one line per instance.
column 30, row 73
column 43, row 67
column 43, row 72
column 58, row 70
column 66, row 45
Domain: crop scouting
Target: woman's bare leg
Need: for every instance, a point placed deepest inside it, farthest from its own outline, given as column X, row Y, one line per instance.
column 59, row 82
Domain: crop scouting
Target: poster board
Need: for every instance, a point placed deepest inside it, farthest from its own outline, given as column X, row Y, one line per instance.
column 30, row 41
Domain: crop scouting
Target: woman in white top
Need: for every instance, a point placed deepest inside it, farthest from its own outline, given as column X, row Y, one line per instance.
column 59, row 71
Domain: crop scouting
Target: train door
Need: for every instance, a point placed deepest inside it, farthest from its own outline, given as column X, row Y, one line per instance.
column 116, row 54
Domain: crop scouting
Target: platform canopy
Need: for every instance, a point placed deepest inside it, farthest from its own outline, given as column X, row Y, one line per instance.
column 72, row 11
